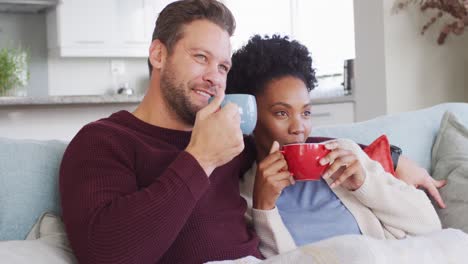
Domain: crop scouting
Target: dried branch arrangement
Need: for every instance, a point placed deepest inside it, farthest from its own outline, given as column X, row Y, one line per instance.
column 456, row 9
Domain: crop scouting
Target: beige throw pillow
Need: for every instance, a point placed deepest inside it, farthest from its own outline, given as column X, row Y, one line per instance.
column 450, row 162
column 47, row 243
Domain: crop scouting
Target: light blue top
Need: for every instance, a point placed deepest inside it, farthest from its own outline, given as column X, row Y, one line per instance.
column 311, row 212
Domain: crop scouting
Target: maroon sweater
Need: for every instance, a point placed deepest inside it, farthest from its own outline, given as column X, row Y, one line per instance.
column 131, row 194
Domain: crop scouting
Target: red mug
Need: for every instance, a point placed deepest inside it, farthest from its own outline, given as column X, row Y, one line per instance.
column 303, row 160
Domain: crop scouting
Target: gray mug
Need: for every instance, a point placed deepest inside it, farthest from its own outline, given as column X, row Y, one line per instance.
column 247, row 110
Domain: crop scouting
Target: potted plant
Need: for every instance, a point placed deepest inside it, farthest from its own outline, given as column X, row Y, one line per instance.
column 456, row 10
column 13, row 71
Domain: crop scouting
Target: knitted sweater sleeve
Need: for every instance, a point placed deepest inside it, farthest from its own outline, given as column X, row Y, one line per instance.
column 107, row 217
column 270, row 228
column 274, row 236
column 401, row 208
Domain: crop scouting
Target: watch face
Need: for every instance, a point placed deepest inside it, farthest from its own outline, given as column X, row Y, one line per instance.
column 395, row 149
column 396, row 153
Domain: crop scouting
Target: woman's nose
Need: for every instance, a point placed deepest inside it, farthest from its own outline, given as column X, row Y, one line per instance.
column 296, row 127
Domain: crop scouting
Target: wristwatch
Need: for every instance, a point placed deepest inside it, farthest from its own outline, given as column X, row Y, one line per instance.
column 396, row 153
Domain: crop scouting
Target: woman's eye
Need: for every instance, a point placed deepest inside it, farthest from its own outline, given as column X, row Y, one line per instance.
column 281, row 114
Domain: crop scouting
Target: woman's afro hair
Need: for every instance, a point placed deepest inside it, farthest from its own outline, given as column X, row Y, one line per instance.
column 264, row 59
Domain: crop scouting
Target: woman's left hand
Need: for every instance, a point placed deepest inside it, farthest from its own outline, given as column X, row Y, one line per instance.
column 411, row 173
column 345, row 168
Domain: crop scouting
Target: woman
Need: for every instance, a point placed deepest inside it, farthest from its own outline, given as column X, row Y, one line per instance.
column 355, row 195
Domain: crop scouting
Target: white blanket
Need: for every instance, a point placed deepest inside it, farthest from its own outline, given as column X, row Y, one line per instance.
column 445, row 246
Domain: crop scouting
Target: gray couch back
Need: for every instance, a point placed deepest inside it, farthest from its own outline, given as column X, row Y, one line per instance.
column 28, row 183
column 414, row 131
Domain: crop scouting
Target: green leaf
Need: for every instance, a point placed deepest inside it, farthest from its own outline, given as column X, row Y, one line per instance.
column 13, row 64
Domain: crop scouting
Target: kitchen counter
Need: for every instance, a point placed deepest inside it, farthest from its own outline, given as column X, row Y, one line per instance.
column 61, row 117
column 70, row 100
column 116, row 99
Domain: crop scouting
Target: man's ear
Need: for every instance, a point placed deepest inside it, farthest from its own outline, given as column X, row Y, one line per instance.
column 157, row 54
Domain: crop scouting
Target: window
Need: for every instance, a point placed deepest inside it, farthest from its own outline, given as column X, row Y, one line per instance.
column 326, row 27
column 259, row 17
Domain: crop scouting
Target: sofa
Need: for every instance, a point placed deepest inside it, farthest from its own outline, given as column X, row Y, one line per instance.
column 30, row 227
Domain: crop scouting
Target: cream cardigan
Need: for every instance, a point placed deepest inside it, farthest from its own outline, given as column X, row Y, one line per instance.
column 384, row 207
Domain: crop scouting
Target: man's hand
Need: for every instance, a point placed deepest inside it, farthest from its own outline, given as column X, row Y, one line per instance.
column 345, row 168
column 409, row 172
column 216, row 136
column 271, row 178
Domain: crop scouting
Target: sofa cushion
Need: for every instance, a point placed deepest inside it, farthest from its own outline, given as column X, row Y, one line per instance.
column 450, row 162
column 28, row 183
column 47, row 244
column 379, row 150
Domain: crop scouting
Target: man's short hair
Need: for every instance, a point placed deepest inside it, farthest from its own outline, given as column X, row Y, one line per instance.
column 170, row 22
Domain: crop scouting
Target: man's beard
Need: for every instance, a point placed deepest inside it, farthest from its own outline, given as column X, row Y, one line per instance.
column 177, row 98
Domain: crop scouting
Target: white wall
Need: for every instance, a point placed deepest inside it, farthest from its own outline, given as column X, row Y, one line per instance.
column 370, row 87
column 52, row 122
column 399, row 70
column 419, row 72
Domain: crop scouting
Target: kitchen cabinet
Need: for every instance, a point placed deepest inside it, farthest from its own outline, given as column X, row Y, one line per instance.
column 104, row 28
column 332, row 114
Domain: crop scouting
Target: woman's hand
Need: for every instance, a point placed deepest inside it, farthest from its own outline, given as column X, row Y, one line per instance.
column 409, row 172
column 345, row 168
column 271, row 178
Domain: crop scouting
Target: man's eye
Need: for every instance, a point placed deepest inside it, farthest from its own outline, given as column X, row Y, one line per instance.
column 201, row 57
column 224, row 68
column 307, row 113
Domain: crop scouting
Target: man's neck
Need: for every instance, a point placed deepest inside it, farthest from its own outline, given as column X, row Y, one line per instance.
column 154, row 110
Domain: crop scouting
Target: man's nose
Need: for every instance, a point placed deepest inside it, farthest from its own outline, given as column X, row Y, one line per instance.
column 214, row 77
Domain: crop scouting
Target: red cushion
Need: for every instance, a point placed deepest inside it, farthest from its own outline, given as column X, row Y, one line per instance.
column 379, row 150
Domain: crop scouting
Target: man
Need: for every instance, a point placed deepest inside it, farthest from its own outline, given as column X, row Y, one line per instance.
column 161, row 184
